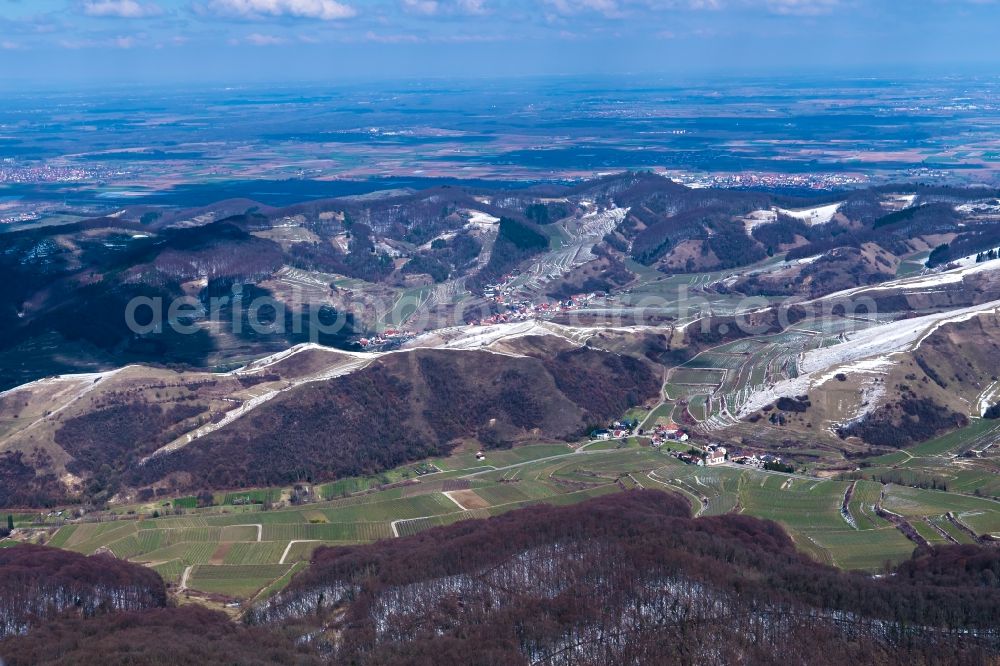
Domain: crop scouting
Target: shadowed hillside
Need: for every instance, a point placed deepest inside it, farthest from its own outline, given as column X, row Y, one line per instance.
column 406, row 407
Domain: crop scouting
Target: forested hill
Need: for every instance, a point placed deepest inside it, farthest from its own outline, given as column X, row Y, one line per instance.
column 631, row 578
column 409, row 406
column 39, row 585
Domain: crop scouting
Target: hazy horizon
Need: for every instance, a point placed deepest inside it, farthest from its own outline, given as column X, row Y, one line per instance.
column 104, row 42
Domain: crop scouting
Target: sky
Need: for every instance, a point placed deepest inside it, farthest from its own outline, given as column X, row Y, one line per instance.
column 96, row 42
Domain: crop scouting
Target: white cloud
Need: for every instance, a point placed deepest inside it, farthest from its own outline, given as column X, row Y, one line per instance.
column 425, row 7
column 435, row 7
column 120, row 8
column 120, row 42
column 621, row 8
column 258, row 39
column 802, row 7
column 9, row 46
column 326, row 10
column 379, row 38
column 567, row 7
column 475, row 7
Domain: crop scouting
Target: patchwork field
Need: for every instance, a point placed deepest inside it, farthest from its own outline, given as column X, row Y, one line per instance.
column 237, row 550
column 243, row 551
column 236, row 580
column 963, row 461
column 698, row 376
column 811, row 510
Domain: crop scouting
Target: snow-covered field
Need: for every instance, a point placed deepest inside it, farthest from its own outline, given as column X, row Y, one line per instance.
column 480, row 220
column 889, row 338
column 981, row 207
column 899, row 201
column 464, row 337
column 805, row 261
column 965, row 262
column 447, row 236
column 591, row 229
column 759, row 218
column 876, row 366
column 813, row 216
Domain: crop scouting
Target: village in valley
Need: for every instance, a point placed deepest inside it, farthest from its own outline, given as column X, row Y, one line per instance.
column 505, row 296
column 510, row 307
column 667, row 436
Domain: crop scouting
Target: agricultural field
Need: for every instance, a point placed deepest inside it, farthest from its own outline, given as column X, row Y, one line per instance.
column 718, row 382
column 698, row 407
column 867, row 550
column 951, row 531
column 811, row 510
column 231, row 551
column 616, row 444
column 238, row 580
column 663, row 414
column 797, row 503
column 963, row 461
column 227, row 551
column 697, row 376
column 265, row 552
column 930, row 532
column 498, row 459
column 865, row 497
column 185, row 502
column 918, row 502
column 247, row 497
column 976, row 436
column 171, row 571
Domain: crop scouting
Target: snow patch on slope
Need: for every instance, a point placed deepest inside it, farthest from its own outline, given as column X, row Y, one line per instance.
column 917, row 283
column 989, row 397
column 759, row 218
column 486, row 336
column 813, row 216
column 868, row 351
column 480, row 220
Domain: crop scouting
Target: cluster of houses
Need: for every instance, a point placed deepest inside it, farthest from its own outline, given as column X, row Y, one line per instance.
column 755, row 461
column 500, row 291
column 669, row 432
column 390, row 336
column 617, row 430
column 716, row 454
column 710, row 456
column 503, row 294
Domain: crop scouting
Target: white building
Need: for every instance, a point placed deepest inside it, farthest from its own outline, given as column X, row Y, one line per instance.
column 716, row 457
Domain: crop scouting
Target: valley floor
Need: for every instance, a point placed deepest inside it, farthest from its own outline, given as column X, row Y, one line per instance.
column 237, row 551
